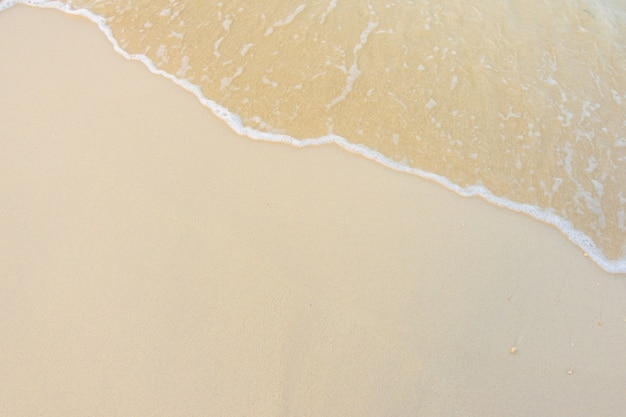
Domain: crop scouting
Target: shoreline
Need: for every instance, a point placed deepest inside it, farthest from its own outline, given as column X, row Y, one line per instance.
column 156, row 262
column 579, row 238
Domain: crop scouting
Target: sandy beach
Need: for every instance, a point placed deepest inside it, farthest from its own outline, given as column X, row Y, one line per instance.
column 155, row 263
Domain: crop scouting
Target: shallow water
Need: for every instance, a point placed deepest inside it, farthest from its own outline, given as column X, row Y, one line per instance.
column 522, row 102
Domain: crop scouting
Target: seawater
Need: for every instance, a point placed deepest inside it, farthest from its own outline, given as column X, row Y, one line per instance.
column 522, row 102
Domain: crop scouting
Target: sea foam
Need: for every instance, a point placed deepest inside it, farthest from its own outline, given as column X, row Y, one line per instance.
column 472, row 145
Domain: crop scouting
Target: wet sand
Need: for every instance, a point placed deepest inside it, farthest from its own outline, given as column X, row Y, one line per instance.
column 152, row 262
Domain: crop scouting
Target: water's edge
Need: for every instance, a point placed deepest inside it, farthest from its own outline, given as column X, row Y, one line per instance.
column 235, row 123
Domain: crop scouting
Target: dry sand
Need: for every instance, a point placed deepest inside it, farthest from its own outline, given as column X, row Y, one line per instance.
column 154, row 263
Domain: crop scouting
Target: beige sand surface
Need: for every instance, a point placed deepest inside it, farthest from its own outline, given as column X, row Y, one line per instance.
column 153, row 263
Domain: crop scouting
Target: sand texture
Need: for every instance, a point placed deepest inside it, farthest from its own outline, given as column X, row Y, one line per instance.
column 154, row 263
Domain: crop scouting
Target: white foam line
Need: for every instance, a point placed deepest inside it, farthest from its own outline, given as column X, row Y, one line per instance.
column 354, row 72
column 331, row 5
column 291, row 17
column 234, row 121
column 286, row 20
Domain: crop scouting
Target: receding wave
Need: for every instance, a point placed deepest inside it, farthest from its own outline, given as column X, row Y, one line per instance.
column 522, row 102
